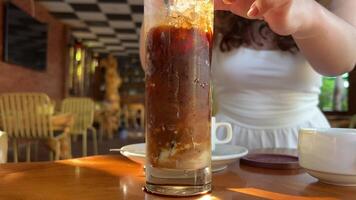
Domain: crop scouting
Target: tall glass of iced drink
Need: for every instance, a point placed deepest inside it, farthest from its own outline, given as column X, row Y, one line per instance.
column 178, row 97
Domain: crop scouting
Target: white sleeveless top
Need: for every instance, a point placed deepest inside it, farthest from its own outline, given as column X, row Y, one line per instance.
column 267, row 96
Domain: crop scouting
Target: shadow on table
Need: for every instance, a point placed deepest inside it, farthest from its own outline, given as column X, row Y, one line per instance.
column 344, row 192
column 265, row 171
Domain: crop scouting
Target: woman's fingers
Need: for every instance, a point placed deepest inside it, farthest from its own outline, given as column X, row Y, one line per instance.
column 263, row 6
column 283, row 16
column 222, row 4
column 254, row 11
column 228, row 1
column 249, row 8
column 238, row 7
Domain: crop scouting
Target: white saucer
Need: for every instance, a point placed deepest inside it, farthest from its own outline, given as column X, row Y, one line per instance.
column 333, row 179
column 223, row 155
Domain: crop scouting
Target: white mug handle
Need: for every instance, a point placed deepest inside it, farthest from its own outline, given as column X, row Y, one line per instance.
column 228, row 137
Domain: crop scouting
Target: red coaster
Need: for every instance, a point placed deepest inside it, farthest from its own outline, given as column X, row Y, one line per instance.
column 271, row 161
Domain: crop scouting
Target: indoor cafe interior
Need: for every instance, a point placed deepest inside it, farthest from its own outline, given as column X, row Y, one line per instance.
column 87, row 112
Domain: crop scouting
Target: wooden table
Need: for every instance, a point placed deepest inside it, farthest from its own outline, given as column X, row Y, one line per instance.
column 115, row 177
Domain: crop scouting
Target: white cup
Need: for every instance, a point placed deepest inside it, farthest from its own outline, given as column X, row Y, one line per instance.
column 331, row 150
column 214, row 127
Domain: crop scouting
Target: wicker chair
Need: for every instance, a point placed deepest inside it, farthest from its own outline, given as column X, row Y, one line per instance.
column 3, row 147
column 28, row 116
column 83, row 110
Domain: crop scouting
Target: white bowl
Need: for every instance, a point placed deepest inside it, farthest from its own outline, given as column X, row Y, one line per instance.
column 329, row 154
column 223, row 155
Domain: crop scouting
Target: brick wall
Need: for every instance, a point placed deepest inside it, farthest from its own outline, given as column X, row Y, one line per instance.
column 51, row 81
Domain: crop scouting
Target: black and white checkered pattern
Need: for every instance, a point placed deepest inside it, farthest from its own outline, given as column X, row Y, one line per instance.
column 106, row 26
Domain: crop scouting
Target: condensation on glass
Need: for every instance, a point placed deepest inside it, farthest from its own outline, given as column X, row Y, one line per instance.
column 178, row 96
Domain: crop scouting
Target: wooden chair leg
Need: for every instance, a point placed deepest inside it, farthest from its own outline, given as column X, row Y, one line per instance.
column 36, row 150
column 15, row 149
column 70, row 146
column 57, row 150
column 51, row 155
column 101, row 132
column 28, row 152
column 84, row 144
column 95, row 142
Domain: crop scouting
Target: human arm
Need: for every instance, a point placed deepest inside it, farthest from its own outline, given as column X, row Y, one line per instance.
column 326, row 38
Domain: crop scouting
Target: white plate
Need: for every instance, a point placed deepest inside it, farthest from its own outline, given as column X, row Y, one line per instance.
column 333, row 179
column 223, row 155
